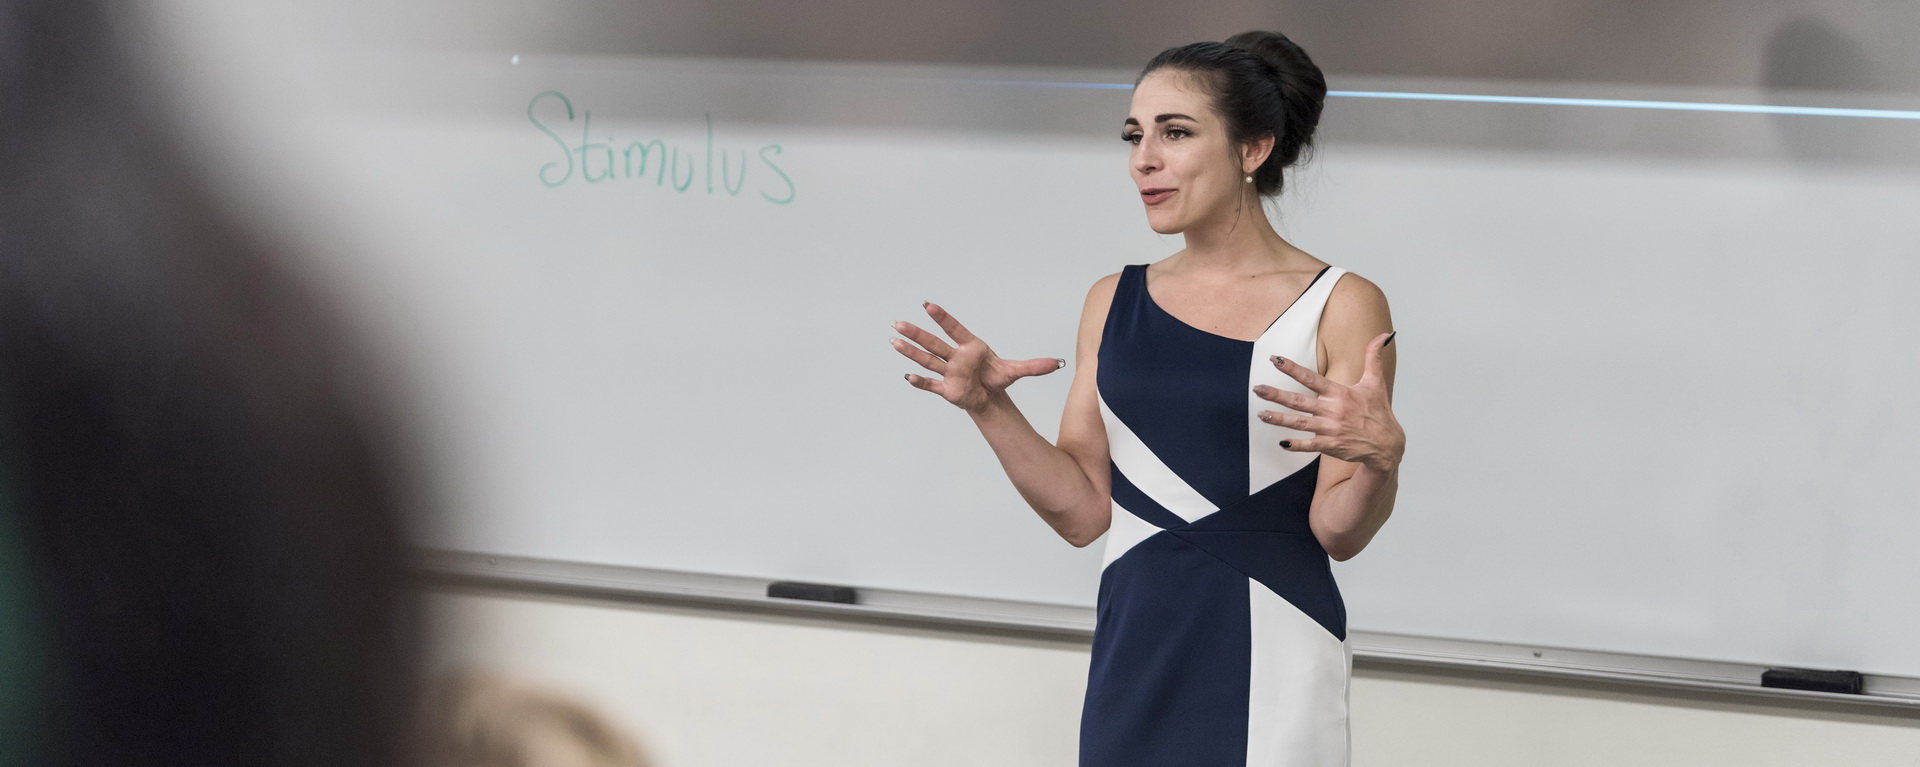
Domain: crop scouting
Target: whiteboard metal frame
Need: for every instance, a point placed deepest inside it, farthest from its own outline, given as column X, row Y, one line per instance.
column 1075, row 622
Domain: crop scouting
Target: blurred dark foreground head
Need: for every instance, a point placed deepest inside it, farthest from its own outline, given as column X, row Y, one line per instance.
column 201, row 559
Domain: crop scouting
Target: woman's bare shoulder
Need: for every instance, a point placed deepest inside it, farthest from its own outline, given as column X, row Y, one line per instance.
column 1356, row 304
column 1356, row 312
column 1100, row 296
column 1093, row 316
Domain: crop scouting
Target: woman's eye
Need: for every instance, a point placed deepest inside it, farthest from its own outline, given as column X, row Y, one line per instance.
column 1131, row 138
column 1177, row 133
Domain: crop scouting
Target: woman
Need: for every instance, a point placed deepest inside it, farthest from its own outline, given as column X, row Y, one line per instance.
column 1228, row 428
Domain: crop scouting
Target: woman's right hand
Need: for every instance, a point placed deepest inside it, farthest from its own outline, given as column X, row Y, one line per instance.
column 970, row 373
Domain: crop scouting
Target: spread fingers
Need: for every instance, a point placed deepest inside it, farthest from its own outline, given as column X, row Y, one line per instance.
column 932, row 343
column 1294, row 421
column 1289, row 399
column 924, row 383
column 919, row 355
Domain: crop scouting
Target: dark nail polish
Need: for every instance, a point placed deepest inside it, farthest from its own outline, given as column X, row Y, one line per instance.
column 1389, row 341
column 1286, row 443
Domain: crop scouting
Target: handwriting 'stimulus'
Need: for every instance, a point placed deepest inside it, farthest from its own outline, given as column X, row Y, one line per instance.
column 638, row 158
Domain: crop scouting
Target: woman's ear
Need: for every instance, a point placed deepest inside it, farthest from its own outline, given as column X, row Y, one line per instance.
column 1254, row 153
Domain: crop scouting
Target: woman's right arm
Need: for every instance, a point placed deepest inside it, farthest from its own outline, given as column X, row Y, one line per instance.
column 1067, row 484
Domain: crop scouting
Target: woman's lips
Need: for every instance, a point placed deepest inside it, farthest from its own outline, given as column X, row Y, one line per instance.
column 1156, row 196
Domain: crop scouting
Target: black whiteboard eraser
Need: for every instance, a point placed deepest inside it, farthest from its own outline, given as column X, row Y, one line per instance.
column 1849, row 682
column 813, row 592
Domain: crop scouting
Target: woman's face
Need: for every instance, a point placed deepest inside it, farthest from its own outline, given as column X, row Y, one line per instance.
column 1186, row 169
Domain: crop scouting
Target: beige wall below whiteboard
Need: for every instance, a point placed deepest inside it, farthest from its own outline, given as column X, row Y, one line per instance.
column 704, row 687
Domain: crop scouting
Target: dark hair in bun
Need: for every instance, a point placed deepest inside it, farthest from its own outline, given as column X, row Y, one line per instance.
column 1261, row 83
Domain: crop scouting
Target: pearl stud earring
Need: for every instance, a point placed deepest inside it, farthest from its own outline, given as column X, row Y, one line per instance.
column 1249, row 179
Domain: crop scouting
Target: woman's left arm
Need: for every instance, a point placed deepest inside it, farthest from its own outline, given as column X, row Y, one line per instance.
column 1350, row 416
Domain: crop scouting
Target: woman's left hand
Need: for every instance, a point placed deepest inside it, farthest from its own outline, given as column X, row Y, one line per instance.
column 1352, row 423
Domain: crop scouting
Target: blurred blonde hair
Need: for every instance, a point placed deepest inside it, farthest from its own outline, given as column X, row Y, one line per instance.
column 483, row 719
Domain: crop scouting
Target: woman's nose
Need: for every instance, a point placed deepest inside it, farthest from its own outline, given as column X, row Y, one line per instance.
column 1145, row 158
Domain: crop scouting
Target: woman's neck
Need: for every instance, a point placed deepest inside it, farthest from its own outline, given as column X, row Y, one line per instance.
column 1245, row 246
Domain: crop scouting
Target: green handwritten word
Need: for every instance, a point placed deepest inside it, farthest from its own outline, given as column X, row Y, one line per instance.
column 594, row 162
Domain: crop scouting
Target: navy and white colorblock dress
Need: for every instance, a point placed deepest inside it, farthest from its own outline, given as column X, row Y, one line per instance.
column 1221, row 637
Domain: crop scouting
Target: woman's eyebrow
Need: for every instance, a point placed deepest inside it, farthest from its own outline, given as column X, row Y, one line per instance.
column 1163, row 118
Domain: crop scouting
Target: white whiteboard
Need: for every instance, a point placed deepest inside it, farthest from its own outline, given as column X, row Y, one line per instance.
column 1656, row 403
